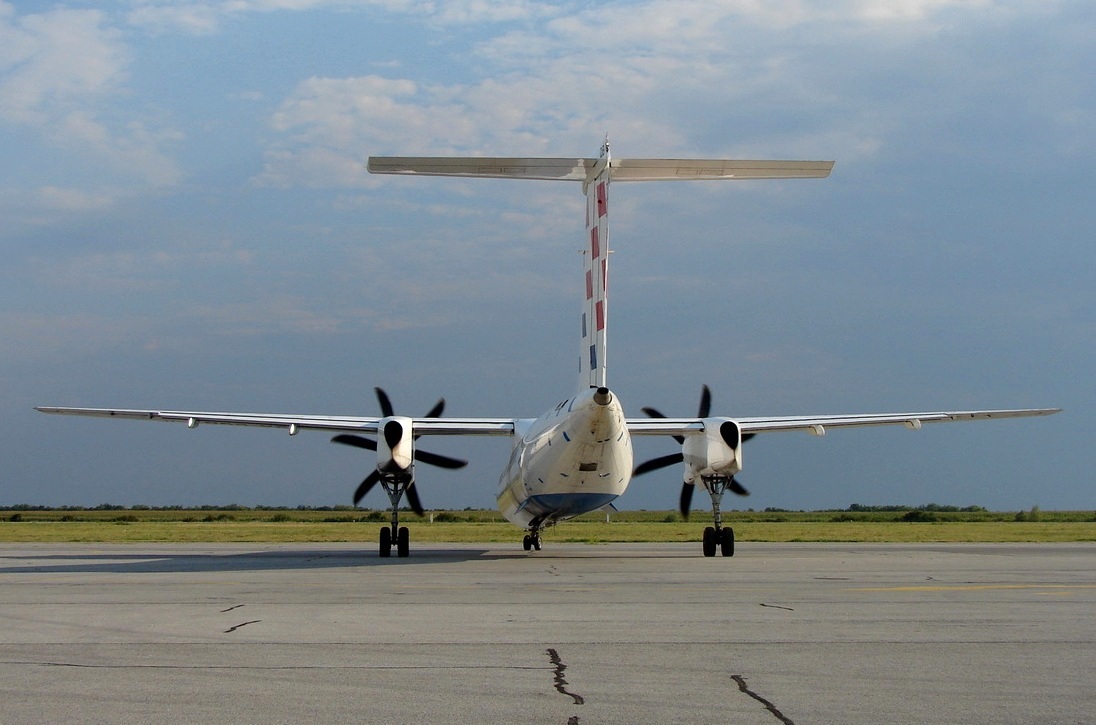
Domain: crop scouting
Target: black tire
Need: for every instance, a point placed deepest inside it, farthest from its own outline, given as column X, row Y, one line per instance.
column 386, row 541
column 726, row 541
column 403, row 542
column 536, row 541
column 527, row 542
column 709, row 541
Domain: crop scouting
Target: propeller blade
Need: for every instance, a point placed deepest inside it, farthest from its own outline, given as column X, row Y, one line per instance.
column 413, row 501
column 652, row 413
column 738, row 487
column 435, row 459
column 386, row 404
column 356, row 441
column 705, row 403
column 436, row 410
column 686, row 499
column 364, row 486
column 656, row 463
column 393, row 433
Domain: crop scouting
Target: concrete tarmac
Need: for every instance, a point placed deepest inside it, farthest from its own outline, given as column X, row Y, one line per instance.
column 619, row 633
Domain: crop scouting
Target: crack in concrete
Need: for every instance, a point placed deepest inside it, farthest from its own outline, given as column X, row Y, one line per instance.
column 235, row 606
column 242, row 624
column 768, row 705
column 560, row 682
column 776, row 606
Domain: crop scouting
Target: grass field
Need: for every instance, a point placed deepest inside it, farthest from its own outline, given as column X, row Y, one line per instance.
column 239, row 524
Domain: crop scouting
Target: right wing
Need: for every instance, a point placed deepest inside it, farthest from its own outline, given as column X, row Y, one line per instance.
column 817, row 424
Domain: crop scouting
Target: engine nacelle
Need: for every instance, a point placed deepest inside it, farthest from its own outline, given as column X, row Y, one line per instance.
column 715, row 452
column 395, row 445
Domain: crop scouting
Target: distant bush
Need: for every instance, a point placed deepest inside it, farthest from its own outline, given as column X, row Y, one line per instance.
column 919, row 516
column 447, row 517
column 281, row 518
column 1033, row 515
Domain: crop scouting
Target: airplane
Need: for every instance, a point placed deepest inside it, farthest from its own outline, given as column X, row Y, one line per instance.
column 577, row 457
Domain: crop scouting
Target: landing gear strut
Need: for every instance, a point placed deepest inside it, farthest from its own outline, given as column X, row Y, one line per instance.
column 394, row 533
column 718, row 536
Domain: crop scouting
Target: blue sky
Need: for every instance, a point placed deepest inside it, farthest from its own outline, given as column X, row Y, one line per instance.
column 187, row 224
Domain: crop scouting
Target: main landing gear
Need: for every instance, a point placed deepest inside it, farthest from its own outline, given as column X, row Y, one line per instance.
column 402, row 540
column 531, row 541
column 718, row 536
column 721, row 538
column 394, row 534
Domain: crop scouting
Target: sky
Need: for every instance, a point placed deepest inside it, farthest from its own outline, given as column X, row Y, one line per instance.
column 186, row 223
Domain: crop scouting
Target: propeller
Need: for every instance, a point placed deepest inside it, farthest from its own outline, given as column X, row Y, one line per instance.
column 369, row 444
column 685, row 501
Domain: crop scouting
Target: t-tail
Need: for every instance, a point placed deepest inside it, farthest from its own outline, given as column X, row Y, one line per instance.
column 596, row 175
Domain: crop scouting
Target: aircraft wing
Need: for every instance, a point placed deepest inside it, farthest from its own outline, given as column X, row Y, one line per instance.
column 294, row 423
column 818, row 424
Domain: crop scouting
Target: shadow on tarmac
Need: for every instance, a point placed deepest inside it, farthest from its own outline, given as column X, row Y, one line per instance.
column 187, row 560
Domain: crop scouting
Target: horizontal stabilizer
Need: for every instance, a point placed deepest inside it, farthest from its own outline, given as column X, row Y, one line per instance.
column 575, row 169
column 671, row 169
column 491, row 168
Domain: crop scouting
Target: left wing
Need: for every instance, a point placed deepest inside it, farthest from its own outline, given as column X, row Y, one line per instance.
column 817, row 424
column 296, row 423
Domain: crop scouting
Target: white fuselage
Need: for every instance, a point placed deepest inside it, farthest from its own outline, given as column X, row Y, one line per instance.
column 574, row 459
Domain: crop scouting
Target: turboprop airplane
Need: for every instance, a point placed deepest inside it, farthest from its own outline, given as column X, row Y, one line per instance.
column 577, row 456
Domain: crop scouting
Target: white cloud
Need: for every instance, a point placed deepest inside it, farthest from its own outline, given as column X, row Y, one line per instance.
column 205, row 18
column 60, row 71
column 666, row 77
column 49, row 60
column 128, row 272
column 62, row 199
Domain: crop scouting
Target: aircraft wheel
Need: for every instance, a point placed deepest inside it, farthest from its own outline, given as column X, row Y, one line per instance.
column 403, row 542
column 527, row 542
column 386, row 541
column 709, row 541
column 726, row 541
column 536, row 541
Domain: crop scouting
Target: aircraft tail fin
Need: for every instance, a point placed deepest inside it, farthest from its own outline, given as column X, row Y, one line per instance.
column 596, row 175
